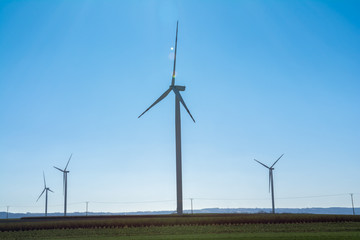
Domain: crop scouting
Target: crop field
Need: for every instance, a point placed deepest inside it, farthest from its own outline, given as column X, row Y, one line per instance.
column 204, row 226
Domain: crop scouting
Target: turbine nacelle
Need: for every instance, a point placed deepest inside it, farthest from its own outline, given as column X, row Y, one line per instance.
column 179, row 88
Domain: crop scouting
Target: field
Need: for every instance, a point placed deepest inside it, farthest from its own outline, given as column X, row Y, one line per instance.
column 205, row 226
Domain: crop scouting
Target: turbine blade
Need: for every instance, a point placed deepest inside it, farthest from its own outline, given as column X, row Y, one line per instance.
column 59, row 169
column 261, row 163
column 50, row 190
column 173, row 76
column 68, row 163
column 44, row 179
column 277, row 160
column 178, row 95
column 158, row 100
column 41, row 194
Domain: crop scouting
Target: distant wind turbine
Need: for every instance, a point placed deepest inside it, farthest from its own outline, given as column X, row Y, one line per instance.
column 271, row 180
column 65, row 172
column 46, row 189
column 176, row 89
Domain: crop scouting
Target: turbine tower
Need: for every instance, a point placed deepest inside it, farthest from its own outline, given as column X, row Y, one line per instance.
column 176, row 89
column 46, row 189
column 271, row 180
column 65, row 172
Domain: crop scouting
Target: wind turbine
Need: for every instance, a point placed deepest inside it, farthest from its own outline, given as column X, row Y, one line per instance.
column 271, row 180
column 46, row 189
column 65, row 172
column 176, row 89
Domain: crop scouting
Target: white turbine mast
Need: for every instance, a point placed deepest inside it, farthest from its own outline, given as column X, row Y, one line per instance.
column 46, row 189
column 65, row 172
column 271, row 180
column 178, row 99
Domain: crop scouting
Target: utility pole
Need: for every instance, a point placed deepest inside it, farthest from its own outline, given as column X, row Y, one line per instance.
column 87, row 205
column 192, row 210
column 352, row 202
column 7, row 212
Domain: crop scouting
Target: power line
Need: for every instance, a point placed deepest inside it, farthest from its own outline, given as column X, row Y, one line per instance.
column 163, row 201
column 250, row 199
column 135, row 202
column 316, row 196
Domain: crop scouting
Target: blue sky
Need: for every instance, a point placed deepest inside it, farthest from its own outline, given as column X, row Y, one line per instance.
column 262, row 78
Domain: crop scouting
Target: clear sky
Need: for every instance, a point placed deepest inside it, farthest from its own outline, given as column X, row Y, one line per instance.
column 262, row 78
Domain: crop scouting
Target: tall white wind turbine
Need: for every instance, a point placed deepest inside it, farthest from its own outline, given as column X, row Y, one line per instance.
column 176, row 89
column 46, row 189
column 65, row 172
column 271, row 180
